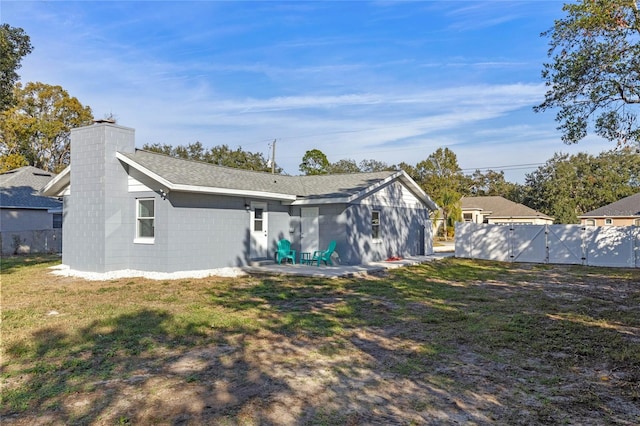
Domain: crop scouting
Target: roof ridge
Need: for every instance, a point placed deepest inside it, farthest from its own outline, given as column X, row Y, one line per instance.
column 206, row 163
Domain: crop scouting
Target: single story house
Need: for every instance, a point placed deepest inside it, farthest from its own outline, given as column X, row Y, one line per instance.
column 624, row 212
column 128, row 209
column 500, row 211
column 29, row 221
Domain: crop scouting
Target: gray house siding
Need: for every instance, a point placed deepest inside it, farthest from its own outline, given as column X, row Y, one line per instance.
column 99, row 206
column 200, row 232
column 207, row 227
column 403, row 231
column 25, row 219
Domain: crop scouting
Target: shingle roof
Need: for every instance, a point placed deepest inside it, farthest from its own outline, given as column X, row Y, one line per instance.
column 500, row 207
column 627, row 207
column 19, row 188
column 194, row 176
column 193, row 173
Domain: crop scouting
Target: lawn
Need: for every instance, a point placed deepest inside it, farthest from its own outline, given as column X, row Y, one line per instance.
column 452, row 341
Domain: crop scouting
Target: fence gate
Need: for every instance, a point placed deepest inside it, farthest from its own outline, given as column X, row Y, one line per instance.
column 528, row 244
column 566, row 244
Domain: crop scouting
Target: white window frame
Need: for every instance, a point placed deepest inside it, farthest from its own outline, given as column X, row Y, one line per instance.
column 636, row 222
column 144, row 240
column 608, row 221
column 590, row 222
column 375, row 225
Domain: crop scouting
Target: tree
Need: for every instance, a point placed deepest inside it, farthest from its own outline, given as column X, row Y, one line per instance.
column 220, row 155
column 12, row 161
column 594, row 75
column 14, row 45
column 375, row 166
column 38, row 126
column 314, row 162
column 493, row 183
column 344, row 166
column 440, row 173
column 567, row 186
column 449, row 202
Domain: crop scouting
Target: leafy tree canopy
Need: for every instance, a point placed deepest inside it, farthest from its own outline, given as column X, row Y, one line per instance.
column 567, row 186
column 14, row 45
column 38, row 126
column 493, row 183
column 440, row 174
column 594, row 73
column 315, row 162
column 220, row 155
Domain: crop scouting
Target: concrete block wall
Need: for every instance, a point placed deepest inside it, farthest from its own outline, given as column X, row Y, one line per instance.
column 98, row 214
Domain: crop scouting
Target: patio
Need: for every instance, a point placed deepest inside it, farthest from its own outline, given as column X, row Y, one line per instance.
column 339, row 271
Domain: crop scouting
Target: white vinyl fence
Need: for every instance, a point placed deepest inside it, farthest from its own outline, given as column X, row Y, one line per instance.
column 617, row 246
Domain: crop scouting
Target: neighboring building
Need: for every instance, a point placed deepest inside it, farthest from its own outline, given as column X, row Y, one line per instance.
column 497, row 210
column 138, row 210
column 624, row 212
column 29, row 221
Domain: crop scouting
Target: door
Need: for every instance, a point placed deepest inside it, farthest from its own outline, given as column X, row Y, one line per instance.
column 309, row 232
column 259, row 231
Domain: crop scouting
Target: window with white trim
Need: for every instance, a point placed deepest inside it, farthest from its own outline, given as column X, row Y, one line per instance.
column 590, row 222
column 608, row 221
column 375, row 224
column 145, row 218
column 636, row 222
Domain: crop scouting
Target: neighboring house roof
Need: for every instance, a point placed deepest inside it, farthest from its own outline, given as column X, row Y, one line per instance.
column 625, row 207
column 177, row 174
column 500, row 207
column 19, row 188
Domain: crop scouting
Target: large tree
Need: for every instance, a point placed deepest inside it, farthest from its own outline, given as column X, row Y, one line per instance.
column 38, row 126
column 315, row 162
column 440, row 174
column 594, row 73
column 493, row 182
column 567, row 186
column 14, row 45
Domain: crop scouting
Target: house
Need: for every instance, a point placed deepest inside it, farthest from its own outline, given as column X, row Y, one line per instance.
column 623, row 212
column 500, row 211
column 128, row 209
column 29, row 221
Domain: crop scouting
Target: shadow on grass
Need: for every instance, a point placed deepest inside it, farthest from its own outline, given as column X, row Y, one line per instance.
column 426, row 344
column 11, row 264
column 111, row 360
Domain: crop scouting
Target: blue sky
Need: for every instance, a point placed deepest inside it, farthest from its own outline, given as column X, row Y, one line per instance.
column 386, row 80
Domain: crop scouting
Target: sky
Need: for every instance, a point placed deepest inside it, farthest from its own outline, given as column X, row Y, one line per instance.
column 390, row 81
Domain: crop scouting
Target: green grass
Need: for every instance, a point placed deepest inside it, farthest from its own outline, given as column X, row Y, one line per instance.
column 453, row 325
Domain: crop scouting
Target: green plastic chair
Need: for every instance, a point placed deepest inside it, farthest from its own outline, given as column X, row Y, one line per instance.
column 324, row 255
column 284, row 252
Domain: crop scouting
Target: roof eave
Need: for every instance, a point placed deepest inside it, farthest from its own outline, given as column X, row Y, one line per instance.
column 56, row 186
column 170, row 186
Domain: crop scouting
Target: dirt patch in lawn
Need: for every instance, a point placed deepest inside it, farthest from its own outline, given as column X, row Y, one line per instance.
column 453, row 342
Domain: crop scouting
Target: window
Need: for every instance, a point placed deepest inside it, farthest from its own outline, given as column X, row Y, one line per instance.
column 636, row 222
column 590, row 222
column 258, row 219
column 608, row 221
column 145, row 215
column 57, row 220
column 468, row 217
column 375, row 224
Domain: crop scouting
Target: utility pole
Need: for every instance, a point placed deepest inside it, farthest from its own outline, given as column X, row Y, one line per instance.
column 273, row 157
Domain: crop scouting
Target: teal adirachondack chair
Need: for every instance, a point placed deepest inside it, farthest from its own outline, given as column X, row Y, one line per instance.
column 284, row 252
column 324, row 255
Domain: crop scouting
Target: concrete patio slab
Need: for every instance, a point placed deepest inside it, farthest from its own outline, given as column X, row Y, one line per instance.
column 340, row 271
